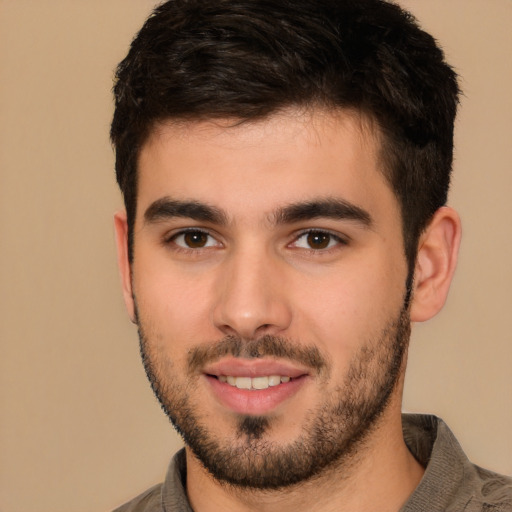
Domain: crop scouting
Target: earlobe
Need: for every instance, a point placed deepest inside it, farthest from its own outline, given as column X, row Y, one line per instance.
column 435, row 264
column 121, row 231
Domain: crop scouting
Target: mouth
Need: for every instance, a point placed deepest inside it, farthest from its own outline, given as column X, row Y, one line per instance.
column 254, row 387
column 259, row 383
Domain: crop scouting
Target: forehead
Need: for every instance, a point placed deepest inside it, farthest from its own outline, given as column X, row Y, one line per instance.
column 315, row 126
column 288, row 157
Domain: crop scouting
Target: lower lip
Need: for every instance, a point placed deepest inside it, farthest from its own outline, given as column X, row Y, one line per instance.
column 254, row 401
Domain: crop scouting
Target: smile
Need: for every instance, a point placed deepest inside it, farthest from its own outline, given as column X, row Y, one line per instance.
column 262, row 382
column 254, row 386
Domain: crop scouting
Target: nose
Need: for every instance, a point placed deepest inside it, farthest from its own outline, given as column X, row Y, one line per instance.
column 252, row 296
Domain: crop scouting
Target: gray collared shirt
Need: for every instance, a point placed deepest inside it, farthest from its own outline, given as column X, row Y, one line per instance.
column 451, row 483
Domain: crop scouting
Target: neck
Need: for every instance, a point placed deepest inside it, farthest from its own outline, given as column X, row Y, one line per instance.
column 380, row 475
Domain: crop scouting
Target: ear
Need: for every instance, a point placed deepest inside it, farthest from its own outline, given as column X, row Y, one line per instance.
column 121, row 230
column 435, row 264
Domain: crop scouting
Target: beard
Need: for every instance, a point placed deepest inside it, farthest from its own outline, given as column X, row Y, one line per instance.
column 331, row 434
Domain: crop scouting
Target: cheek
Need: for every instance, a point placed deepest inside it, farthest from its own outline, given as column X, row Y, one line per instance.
column 173, row 304
column 349, row 308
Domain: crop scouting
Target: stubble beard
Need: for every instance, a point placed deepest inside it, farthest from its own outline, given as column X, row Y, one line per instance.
column 332, row 433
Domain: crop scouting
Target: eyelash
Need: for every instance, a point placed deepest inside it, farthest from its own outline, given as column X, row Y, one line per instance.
column 338, row 240
column 171, row 240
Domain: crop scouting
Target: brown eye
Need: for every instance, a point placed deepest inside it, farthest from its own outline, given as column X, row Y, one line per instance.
column 318, row 240
column 195, row 239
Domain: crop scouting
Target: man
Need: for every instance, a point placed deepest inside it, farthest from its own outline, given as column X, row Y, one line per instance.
column 285, row 169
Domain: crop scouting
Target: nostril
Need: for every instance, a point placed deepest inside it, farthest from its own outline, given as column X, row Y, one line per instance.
column 251, row 316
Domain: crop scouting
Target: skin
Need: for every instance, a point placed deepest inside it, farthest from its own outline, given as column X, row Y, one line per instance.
column 253, row 276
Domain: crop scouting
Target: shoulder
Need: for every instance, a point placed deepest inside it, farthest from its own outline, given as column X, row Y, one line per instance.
column 149, row 501
column 451, row 482
column 494, row 491
column 167, row 496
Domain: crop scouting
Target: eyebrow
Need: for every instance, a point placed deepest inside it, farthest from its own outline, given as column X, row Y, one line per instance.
column 331, row 208
column 167, row 208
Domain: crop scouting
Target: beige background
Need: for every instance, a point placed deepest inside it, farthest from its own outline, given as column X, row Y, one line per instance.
column 79, row 428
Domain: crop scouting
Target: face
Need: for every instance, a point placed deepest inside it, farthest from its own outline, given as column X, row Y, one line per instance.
column 268, row 283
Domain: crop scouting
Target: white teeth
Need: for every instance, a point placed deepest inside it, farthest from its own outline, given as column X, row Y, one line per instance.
column 243, row 382
column 274, row 380
column 260, row 383
column 255, row 382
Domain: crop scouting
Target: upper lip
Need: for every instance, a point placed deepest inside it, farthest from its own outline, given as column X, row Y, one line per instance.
column 239, row 367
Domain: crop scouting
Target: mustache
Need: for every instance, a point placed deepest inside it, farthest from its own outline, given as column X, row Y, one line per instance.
column 266, row 346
